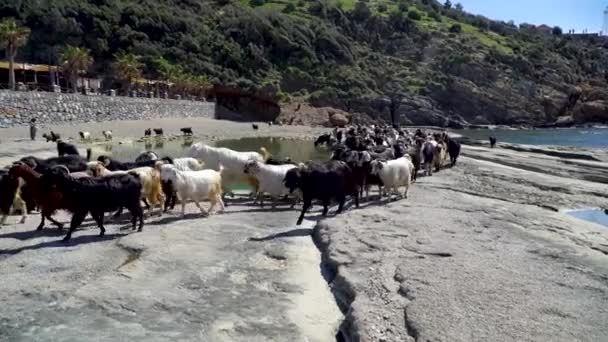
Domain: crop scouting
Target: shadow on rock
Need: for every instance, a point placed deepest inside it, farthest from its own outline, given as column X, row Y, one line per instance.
column 290, row 233
column 79, row 240
column 31, row 234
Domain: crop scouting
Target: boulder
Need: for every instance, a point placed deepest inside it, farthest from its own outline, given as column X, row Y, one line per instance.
column 594, row 111
column 338, row 120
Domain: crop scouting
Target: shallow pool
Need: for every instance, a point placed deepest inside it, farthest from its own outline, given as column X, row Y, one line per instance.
column 596, row 215
column 299, row 150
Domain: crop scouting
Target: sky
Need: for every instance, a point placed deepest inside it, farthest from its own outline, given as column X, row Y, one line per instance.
column 568, row 14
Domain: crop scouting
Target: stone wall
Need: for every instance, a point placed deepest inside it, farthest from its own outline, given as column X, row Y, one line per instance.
column 17, row 108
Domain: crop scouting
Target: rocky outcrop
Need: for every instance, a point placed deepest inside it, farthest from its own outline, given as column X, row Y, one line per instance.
column 17, row 108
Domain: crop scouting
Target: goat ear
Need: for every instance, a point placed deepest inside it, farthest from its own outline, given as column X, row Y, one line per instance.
column 106, row 162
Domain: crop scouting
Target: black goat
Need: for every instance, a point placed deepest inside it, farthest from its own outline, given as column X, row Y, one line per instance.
column 64, row 148
column 73, row 163
column 97, row 196
column 492, row 141
column 147, row 132
column 146, row 156
column 52, row 136
column 186, row 130
column 272, row 161
column 158, row 131
column 453, row 151
column 255, row 127
column 325, row 139
column 115, row 165
column 326, row 181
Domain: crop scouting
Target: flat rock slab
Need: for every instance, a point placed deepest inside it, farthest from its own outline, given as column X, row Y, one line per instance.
column 245, row 275
column 445, row 265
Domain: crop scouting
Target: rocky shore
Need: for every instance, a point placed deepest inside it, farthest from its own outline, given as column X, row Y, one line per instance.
column 480, row 252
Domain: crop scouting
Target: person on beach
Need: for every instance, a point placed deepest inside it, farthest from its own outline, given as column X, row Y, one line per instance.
column 33, row 129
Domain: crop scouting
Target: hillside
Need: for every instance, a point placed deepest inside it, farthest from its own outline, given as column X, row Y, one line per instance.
column 418, row 60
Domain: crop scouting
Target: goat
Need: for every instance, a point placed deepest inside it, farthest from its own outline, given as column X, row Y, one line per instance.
column 182, row 164
column 52, row 136
column 440, row 155
column 85, row 136
column 64, row 148
column 195, row 185
column 232, row 161
column 186, row 130
column 270, row 178
column 268, row 159
column 325, row 181
column 146, row 156
column 453, row 151
column 394, row 173
column 10, row 197
column 147, row 132
column 115, row 165
column 73, row 163
column 492, row 141
column 255, row 127
column 96, row 196
column 107, row 135
column 158, row 131
column 49, row 200
column 428, row 151
column 151, row 190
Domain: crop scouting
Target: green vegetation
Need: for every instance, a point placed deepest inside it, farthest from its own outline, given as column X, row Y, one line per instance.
column 12, row 37
column 74, row 61
column 334, row 51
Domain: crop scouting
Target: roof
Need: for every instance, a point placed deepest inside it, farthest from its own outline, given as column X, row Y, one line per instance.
column 25, row 66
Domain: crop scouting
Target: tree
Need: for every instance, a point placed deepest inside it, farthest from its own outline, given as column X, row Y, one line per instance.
column 557, row 31
column 289, row 8
column 459, row 7
column 447, row 4
column 126, row 68
column 382, row 8
column 12, row 37
column 414, row 15
column 73, row 61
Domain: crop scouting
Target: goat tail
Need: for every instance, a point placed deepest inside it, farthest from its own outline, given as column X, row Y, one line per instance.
column 220, row 168
column 89, row 154
column 265, row 153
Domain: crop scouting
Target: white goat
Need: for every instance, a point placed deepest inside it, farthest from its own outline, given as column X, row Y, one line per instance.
column 233, row 162
column 107, row 135
column 196, row 186
column 85, row 136
column 394, row 173
column 270, row 178
column 188, row 164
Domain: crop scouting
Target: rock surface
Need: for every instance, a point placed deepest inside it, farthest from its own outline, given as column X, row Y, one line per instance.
column 473, row 255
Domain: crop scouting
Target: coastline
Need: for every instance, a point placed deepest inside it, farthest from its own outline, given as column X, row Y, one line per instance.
column 482, row 251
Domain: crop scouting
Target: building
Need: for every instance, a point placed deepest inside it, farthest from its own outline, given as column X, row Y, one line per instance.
column 34, row 76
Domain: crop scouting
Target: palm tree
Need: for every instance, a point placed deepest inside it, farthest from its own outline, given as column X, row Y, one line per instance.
column 73, row 61
column 12, row 37
column 127, row 67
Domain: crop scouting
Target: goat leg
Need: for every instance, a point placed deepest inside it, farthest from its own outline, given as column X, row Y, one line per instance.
column 76, row 221
column 305, row 207
column 341, row 201
column 146, row 203
column 98, row 217
column 325, row 207
column 58, row 224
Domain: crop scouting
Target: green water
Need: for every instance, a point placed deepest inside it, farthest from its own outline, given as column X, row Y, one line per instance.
column 299, row 150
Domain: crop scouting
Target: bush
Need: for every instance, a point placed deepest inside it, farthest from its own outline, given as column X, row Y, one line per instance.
column 414, row 15
column 301, row 3
column 256, row 3
column 481, row 23
column 382, row 8
column 289, row 8
column 403, row 7
column 361, row 11
column 455, row 28
column 557, row 31
column 436, row 16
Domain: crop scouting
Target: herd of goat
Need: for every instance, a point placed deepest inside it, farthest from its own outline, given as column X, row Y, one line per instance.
column 361, row 157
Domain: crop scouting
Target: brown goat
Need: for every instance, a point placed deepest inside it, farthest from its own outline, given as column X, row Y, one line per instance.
column 49, row 200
